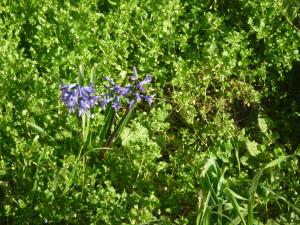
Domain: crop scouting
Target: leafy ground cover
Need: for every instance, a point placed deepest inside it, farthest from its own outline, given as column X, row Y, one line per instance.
column 219, row 143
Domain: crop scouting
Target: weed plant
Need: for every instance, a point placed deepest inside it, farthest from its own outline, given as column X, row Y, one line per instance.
column 217, row 144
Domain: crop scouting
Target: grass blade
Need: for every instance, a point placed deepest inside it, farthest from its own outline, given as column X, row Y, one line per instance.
column 205, row 211
column 85, row 126
column 81, row 75
column 254, row 186
column 237, row 196
column 40, row 130
column 119, row 127
column 109, row 114
column 235, row 204
column 276, row 162
column 93, row 75
column 297, row 210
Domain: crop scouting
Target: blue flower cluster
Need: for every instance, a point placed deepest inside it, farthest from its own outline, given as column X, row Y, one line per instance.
column 83, row 98
column 76, row 97
column 132, row 93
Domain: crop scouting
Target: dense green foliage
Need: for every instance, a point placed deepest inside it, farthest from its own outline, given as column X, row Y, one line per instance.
column 226, row 75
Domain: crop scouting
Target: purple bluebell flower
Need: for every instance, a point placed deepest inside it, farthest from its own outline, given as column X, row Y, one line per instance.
column 148, row 98
column 116, row 104
column 110, row 81
column 93, row 101
column 139, row 90
column 112, row 84
column 123, row 91
column 137, row 96
column 86, row 91
column 132, row 93
column 131, row 103
column 145, row 81
column 104, row 100
column 116, row 92
column 69, row 95
column 83, row 107
column 77, row 97
column 83, row 98
column 67, row 88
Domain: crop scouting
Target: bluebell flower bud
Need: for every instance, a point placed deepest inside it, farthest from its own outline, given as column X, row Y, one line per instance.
column 135, row 74
column 131, row 103
column 116, row 104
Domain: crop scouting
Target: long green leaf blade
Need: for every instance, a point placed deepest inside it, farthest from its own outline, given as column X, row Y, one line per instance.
column 40, row 130
column 254, row 186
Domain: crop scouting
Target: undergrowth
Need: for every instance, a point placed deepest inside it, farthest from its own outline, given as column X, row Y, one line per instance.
column 219, row 144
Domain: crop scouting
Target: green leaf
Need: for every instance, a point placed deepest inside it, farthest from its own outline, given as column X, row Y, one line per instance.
column 126, row 136
column 81, row 75
column 141, row 133
column 262, row 123
column 244, row 160
column 252, row 148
